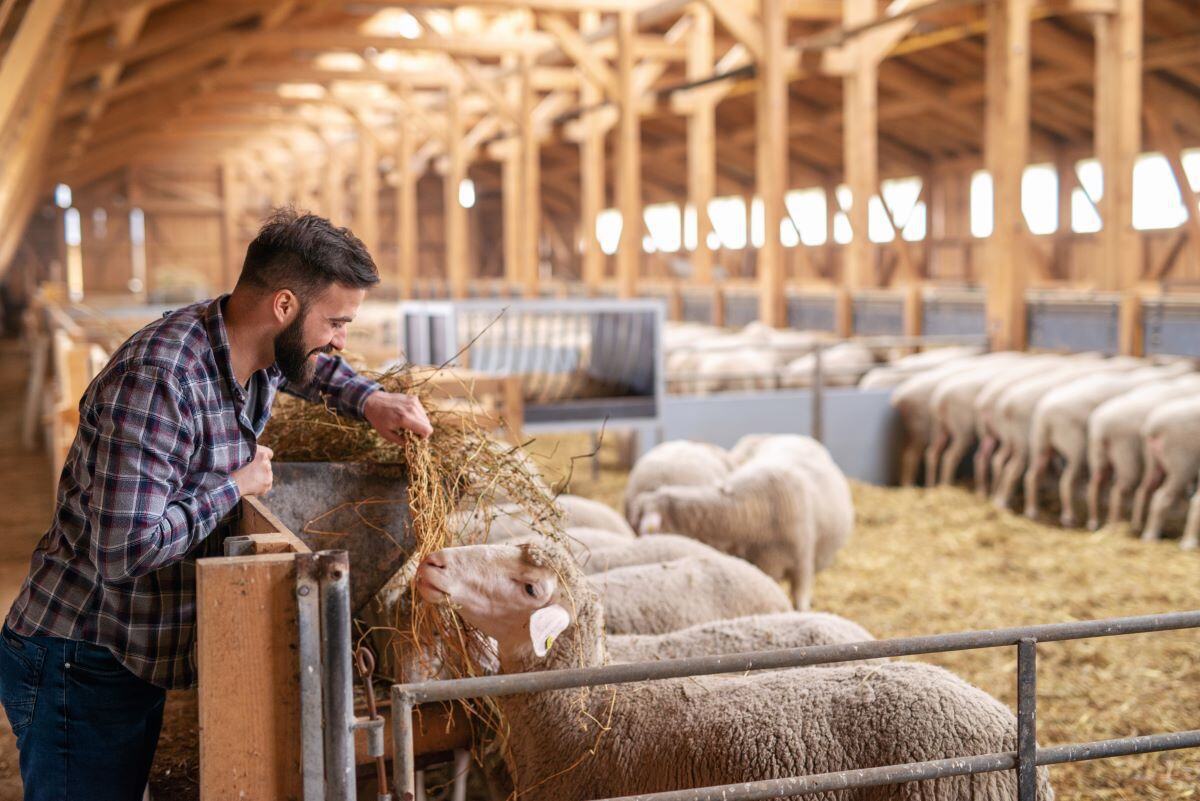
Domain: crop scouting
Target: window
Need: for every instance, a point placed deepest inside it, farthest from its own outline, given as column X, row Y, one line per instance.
column 62, row 196
column 841, row 223
column 1084, row 217
column 1039, row 198
column 1157, row 202
column 728, row 215
column 608, row 230
column 982, row 210
column 466, row 193
column 664, row 224
column 809, row 211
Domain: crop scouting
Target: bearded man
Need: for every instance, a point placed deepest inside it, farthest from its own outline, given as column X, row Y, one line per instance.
column 105, row 622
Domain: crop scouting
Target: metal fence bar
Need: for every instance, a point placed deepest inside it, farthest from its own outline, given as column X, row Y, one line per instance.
column 512, row 684
column 312, row 738
column 338, row 692
column 1027, row 720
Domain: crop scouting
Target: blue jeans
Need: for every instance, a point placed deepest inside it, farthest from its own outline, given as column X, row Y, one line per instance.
column 86, row 727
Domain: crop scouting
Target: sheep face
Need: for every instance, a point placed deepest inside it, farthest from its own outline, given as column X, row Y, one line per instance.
column 508, row 592
column 648, row 513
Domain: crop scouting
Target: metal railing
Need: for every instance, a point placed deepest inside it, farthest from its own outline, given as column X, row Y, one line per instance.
column 1025, row 760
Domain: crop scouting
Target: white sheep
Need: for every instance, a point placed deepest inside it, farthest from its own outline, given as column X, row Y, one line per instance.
column 1172, row 452
column 599, row 742
column 643, row 551
column 786, row 508
column 1115, row 443
column 666, row 596
column 680, row 462
column 842, row 365
column 580, row 512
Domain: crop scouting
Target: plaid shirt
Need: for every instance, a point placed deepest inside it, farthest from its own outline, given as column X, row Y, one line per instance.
column 145, row 486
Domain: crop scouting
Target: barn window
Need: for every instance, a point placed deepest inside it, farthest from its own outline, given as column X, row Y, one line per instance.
column 1084, row 217
column 608, row 230
column 664, row 224
column 62, row 196
column 1156, row 199
column 728, row 215
column 1039, row 198
column 982, row 217
column 809, row 211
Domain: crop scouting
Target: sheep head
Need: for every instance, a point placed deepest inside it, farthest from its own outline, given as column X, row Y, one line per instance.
column 523, row 596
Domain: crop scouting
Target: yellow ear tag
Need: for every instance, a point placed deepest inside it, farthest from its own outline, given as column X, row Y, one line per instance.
column 549, row 642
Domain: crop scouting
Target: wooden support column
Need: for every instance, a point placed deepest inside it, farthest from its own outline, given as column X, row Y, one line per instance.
column 406, row 211
column 701, row 141
column 366, row 222
column 455, row 216
column 333, row 188
column 531, row 182
column 232, row 200
column 772, row 158
column 512, row 191
column 1006, row 145
column 1118, row 142
column 860, row 131
column 591, row 172
column 1064, row 167
column 629, row 160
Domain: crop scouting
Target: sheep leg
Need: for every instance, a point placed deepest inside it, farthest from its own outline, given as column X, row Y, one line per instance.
column 1160, row 503
column 1152, row 479
column 999, row 460
column 953, row 457
column 1095, row 486
column 1117, row 496
column 1013, row 470
column 983, row 458
column 931, row 456
column 1191, row 530
column 910, row 461
column 1033, row 477
column 1066, row 490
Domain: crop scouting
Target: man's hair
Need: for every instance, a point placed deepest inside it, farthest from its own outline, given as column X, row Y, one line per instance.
column 305, row 253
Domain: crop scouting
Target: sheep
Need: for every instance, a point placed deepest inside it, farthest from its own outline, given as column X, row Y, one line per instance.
column 842, row 365
column 579, row 512
column 1014, row 415
column 1060, row 425
column 679, row 462
column 599, row 742
column 897, row 371
column 1172, row 451
column 786, row 507
column 493, row 522
column 737, row 370
column 1115, row 443
column 1191, row 529
column 738, row 635
column 643, row 551
column 911, row 401
column 667, row 596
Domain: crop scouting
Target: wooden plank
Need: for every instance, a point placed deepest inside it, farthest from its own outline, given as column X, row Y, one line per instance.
column 1118, row 132
column 701, row 141
column 246, row 635
column 406, row 210
column 772, row 159
column 1006, row 154
column 592, row 178
column 591, row 65
column 629, row 158
column 743, row 27
column 22, row 57
column 455, row 216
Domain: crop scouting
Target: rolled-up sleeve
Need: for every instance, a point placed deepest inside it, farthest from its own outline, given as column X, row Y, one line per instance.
column 336, row 382
column 141, row 519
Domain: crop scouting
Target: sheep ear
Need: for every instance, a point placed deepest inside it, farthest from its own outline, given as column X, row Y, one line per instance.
column 545, row 624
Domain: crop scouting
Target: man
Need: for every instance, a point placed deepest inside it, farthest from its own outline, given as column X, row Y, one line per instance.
column 105, row 621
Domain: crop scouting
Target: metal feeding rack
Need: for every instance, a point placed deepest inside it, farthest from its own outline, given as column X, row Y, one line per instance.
column 581, row 362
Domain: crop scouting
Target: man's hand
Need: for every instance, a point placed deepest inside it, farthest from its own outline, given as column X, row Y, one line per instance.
column 256, row 477
column 392, row 412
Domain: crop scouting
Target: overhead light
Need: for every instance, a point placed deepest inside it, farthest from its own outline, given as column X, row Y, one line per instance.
column 393, row 22
column 466, row 193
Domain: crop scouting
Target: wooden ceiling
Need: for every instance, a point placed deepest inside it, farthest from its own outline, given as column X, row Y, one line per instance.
column 132, row 81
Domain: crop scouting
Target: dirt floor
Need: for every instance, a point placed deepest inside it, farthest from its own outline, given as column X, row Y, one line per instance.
column 920, row 562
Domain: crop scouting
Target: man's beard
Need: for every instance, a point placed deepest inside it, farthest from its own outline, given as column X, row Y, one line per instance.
column 291, row 356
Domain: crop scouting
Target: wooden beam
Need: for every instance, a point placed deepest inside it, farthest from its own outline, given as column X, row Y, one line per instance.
column 742, row 26
column 629, row 148
column 701, row 141
column 591, row 174
column 455, row 215
column 772, row 159
column 1118, row 133
column 591, row 65
column 1006, row 154
column 1166, row 138
column 333, row 187
column 531, row 182
column 861, row 157
column 23, row 55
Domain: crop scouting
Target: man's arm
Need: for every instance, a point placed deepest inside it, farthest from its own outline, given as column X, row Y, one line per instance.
column 144, row 441
column 336, row 380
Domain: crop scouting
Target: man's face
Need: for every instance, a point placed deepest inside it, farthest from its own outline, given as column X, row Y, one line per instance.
column 318, row 327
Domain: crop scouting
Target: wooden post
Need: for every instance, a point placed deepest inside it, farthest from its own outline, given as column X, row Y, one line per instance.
column 591, row 172
column 531, row 181
column 772, row 158
column 333, row 188
column 455, row 215
column 231, row 209
column 1064, row 166
column 629, row 160
column 1118, row 142
column 1006, row 154
column 861, row 158
column 406, row 211
column 366, row 221
column 701, row 141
